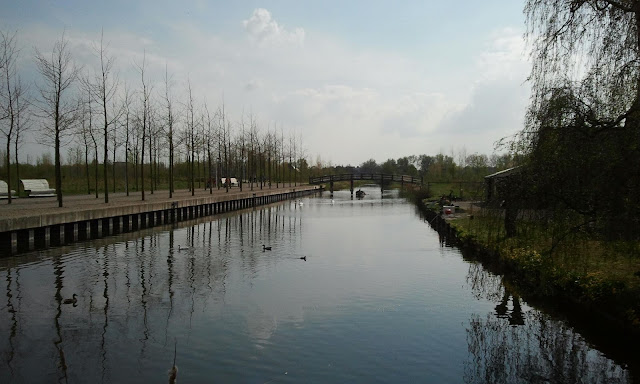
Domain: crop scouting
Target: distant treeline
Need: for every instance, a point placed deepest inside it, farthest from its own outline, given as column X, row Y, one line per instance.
column 84, row 177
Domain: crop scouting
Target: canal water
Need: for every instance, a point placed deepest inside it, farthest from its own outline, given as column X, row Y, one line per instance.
column 379, row 299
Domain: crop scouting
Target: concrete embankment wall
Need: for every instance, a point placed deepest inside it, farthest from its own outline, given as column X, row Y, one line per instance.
column 38, row 230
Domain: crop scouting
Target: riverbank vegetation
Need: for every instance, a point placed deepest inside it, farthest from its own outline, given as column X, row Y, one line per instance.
column 566, row 221
column 545, row 261
column 580, row 148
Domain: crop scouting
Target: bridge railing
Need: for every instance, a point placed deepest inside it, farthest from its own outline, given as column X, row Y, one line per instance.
column 365, row 176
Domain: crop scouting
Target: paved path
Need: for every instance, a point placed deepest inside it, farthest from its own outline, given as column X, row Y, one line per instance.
column 39, row 206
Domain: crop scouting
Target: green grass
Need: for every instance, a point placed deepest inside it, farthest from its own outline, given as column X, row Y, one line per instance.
column 549, row 260
column 464, row 190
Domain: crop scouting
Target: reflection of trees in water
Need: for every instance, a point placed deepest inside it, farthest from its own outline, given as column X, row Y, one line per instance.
column 105, row 295
column 542, row 351
column 484, row 284
column 13, row 314
column 170, row 290
column 135, row 296
column 58, row 271
column 511, row 345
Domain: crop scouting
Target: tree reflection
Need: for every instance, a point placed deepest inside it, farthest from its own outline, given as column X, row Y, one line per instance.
column 542, row 351
column 10, row 354
column 170, row 277
column 514, row 345
column 58, row 271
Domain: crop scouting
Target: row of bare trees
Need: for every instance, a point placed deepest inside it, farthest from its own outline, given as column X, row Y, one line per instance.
column 147, row 125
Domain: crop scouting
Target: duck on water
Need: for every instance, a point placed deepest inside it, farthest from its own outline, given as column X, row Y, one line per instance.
column 73, row 300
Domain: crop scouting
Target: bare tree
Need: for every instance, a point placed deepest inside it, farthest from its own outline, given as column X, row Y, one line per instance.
column 224, row 132
column 191, row 135
column 209, row 136
column 253, row 145
column 94, row 140
column 22, row 122
column 115, row 143
column 169, row 126
column 89, row 131
column 126, row 140
column 85, row 127
column 103, row 89
column 137, row 138
column 59, row 73
column 267, row 144
column 274, row 155
column 243, row 150
column 144, row 121
column 10, row 93
column 292, row 150
column 282, row 153
column 152, row 129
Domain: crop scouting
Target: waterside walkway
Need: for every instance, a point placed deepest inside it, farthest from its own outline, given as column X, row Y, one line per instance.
column 36, row 223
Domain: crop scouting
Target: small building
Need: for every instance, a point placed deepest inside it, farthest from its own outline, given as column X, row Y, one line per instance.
column 495, row 181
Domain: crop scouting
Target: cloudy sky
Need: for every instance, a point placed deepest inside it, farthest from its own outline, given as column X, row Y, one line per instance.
column 354, row 79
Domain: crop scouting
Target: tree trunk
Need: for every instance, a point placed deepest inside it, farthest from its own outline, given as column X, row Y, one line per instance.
column 9, row 171
column 113, row 165
column 95, row 168
column 171, row 162
column 58, row 169
column 106, row 155
column 17, row 172
column 86, row 167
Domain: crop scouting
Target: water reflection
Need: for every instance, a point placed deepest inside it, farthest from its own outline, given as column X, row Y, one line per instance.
column 516, row 343
column 366, row 306
column 124, row 289
column 547, row 351
column 13, row 313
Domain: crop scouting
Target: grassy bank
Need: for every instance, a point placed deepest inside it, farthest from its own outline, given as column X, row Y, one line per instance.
column 547, row 261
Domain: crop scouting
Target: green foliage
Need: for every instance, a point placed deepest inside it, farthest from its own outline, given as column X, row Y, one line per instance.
column 581, row 139
column 578, row 268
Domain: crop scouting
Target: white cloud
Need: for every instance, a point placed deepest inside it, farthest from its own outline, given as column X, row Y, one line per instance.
column 505, row 56
column 498, row 99
column 264, row 30
column 348, row 103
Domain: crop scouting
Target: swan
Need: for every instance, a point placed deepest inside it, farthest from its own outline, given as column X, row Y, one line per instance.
column 265, row 248
column 71, row 301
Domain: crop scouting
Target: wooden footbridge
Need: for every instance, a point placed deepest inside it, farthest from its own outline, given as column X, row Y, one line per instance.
column 381, row 178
